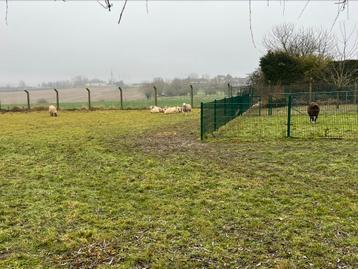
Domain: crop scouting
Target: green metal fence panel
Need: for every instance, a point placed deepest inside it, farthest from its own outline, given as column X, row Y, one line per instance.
column 283, row 115
column 219, row 112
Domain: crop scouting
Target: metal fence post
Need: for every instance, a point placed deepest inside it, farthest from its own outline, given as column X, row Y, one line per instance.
column 155, row 96
column 215, row 114
column 310, row 90
column 289, row 108
column 89, row 98
column 232, row 107
column 260, row 105
column 355, row 94
column 269, row 87
column 201, row 121
column 225, row 107
column 191, row 96
column 57, row 99
column 121, row 96
column 28, row 99
column 270, row 105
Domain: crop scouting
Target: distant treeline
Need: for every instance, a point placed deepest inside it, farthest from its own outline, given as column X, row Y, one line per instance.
column 80, row 81
column 181, row 87
column 75, row 82
column 175, row 87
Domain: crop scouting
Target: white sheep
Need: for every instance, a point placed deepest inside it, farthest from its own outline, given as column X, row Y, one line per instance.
column 186, row 107
column 52, row 110
column 156, row 109
column 250, row 109
column 172, row 110
column 258, row 104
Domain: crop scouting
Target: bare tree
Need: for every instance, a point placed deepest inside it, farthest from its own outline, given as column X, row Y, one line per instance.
column 280, row 38
column 344, row 70
column 299, row 42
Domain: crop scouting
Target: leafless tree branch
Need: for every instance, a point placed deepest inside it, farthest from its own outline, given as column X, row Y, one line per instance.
column 299, row 42
column 341, row 73
column 7, row 10
column 107, row 4
column 250, row 21
column 304, row 9
column 122, row 11
column 341, row 5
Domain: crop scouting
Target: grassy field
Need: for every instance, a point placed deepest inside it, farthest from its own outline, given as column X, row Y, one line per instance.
column 130, row 189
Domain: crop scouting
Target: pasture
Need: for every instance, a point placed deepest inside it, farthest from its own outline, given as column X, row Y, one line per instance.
column 131, row 189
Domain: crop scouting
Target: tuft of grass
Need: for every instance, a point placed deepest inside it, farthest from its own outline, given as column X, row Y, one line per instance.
column 131, row 189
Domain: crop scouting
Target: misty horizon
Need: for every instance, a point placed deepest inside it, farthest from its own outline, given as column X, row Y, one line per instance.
column 109, row 80
column 55, row 40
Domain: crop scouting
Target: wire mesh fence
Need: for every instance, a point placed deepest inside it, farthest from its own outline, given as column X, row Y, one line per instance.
column 337, row 118
column 218, row 112
column 284, row 115
column 94, row 98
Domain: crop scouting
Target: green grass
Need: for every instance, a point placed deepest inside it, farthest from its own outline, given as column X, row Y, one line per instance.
column 131, row 189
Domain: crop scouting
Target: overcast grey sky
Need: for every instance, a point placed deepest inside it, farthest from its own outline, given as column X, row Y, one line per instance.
column 47, row 40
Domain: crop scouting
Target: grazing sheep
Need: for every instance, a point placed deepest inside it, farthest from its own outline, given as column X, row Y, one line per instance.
column 257, row 105
column 172, row 110
column 186, row 107
column 156, row 109
column 250, row 109
column 52, row 110
column 313, row 111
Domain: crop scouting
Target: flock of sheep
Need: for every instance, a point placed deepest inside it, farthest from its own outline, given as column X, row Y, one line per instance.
column 171, row 110
column 312, row 110
column 154, row 109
